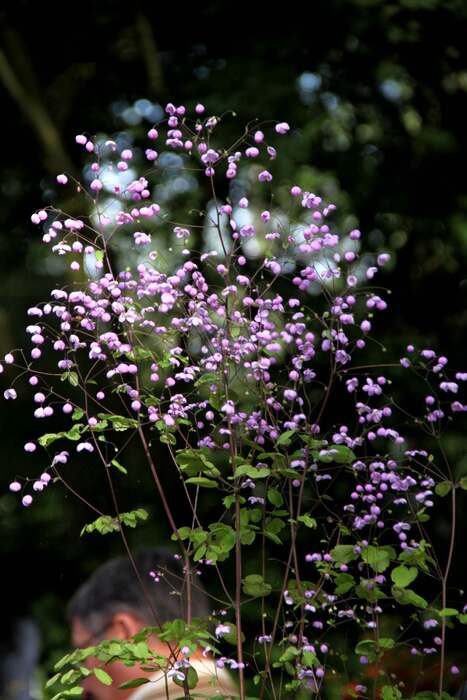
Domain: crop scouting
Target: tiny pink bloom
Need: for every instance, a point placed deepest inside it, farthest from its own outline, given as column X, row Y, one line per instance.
column 84, row 446
column 282, row 128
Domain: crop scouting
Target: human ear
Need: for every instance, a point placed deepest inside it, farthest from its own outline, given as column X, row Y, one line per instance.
column 124, row 625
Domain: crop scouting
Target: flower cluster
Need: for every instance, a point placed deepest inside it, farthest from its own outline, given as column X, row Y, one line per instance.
column 230, row 360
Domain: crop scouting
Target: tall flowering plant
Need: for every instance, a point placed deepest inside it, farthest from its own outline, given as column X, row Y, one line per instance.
column 235, row 358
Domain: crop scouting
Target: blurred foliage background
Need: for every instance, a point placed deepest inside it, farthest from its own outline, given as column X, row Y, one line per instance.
column 376, row 94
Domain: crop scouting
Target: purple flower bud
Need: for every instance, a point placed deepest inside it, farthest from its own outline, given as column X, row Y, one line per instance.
column 383, row 258
column 27, row 500
column 84, row 446
column 228, row 408
column 29, row 447
column 282, row 128
column 265, row 176
column 252, row 152
column 221, row 630
column 15, row 486
column 290, row 394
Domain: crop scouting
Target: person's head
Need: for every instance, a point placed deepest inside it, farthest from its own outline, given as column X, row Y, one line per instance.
column 112, row 605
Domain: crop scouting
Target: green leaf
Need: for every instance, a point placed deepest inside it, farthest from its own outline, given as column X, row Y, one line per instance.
column 134, row 683
column 275, row 497
column 417, row 557
column 248, row 536
column 119, row 466
column 255, row 586
column 389, row 692
column 193, row 461
column 404, row 596
column 183, row 533
column 463, row 483
column 285, row 438
column 48, row 439
column 341, row 454
column 448, row 612
column 343, row 553
column 344, row 583
column 72, row 377
column 231, row 637
column 106, row 523
column 102, row 676
column 167, row 438
column 307, row 520
column 202, row 481
column 443, row 488
column 74, row 433
column 140, row 650
column 371, row 593
column 53, row 680
column 403, row 576
column 208, row 377
column 367, row 647
column 228, row 501
column 119, row 423
column 131, row 518
column 378, row 558
column 386, row 643
column 252, row 472
column 69, row 693
column 191, row 678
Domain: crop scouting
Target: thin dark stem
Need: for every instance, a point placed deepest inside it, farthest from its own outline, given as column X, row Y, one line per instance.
column 444, row 579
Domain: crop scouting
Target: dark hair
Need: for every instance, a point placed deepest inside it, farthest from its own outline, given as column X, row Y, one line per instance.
column 114, row 587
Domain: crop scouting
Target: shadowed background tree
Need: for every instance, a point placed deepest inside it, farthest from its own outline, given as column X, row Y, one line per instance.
column 376, row 94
